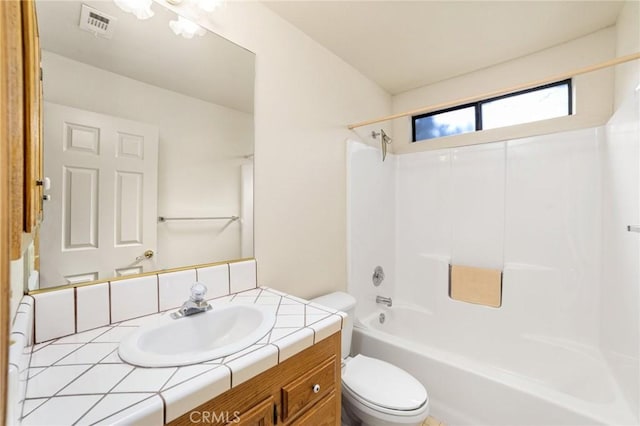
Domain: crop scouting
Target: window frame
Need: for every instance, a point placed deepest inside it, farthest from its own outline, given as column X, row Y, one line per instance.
column 478, row 107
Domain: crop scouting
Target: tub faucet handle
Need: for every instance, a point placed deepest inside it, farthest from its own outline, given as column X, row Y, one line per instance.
column 384, row 300
column 378, row 276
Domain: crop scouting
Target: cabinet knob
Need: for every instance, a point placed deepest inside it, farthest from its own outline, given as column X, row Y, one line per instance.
column 316, row 388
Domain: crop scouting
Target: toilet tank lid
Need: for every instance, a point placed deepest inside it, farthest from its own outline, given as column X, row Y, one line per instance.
column 338, row 300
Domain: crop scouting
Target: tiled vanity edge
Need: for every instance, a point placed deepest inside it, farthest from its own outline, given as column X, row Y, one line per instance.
column 177, row 395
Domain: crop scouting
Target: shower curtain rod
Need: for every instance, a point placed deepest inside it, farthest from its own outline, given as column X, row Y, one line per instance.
column 541, row 82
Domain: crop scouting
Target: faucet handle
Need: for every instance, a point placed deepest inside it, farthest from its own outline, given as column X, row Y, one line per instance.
column 198, row 290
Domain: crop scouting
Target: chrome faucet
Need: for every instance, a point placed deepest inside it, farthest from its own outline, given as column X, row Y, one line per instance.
column 384, row 300
column 195, row 304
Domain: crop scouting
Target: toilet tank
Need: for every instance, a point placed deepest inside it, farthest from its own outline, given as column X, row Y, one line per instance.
column 342, row 302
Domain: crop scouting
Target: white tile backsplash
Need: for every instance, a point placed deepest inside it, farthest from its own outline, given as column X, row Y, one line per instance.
column 54, row 314
column 216, row 278
column 134, row 297
column 242, row 276
column 174, row 288
column 93, row 306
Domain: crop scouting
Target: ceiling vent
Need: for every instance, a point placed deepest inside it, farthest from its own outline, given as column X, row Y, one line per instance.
column 96, row 22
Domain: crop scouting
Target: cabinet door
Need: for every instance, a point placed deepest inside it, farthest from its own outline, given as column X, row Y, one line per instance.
column 259, row 415
column 324, row 413
column 308, row 389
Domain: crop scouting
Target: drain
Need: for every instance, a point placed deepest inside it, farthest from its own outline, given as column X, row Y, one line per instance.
column 382, row 317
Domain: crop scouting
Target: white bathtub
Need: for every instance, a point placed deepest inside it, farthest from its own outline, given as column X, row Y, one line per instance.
column 484, row 380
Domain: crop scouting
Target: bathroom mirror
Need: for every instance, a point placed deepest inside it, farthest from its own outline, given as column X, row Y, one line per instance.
column 148, row 144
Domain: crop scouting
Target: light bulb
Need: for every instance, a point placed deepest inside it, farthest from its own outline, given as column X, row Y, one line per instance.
column 186, row 28
column 209, row 5
column 140, row 8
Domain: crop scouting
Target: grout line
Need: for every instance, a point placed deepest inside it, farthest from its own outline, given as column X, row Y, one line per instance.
column 73, row 381
column 229, row 278
column 255, row 263
column 90, row 408
column 213, row 367
column 169, row 379
column 278, row 348
column 164, row 409
column 23, row 415
column 230, row 375
column 107, row 356
column 104, row 395
column 75, row 310
column 110, row 304
column 123, row 409
column 36, row 374
column 34, row 321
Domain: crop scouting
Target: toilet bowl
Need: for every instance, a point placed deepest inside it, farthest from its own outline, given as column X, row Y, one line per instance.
column 374, row 392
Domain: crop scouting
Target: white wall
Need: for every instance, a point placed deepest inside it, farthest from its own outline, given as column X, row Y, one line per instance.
column 627, row 76
column 200, row 153
column 305, row 98
column 593, row 92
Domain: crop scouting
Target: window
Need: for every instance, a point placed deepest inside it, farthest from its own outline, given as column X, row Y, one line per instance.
column 540, row 103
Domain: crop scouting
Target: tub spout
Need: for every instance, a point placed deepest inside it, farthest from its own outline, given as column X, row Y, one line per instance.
column 384, row 300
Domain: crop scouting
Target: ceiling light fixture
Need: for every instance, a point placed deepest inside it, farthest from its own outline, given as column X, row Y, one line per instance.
column 186, row 28
column 140, row 8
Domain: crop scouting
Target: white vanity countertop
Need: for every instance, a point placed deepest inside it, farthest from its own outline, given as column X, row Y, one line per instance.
column 81, row 380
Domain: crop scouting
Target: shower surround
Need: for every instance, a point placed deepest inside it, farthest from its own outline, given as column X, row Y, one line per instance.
column 551, row 212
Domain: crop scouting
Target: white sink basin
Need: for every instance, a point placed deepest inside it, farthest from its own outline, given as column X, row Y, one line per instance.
column 197, row 338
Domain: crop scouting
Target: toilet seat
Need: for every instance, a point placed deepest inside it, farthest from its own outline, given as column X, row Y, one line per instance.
column 367, row 381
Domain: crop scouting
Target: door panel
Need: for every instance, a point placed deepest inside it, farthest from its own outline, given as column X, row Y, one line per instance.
column 103, row 207
column 80, row 208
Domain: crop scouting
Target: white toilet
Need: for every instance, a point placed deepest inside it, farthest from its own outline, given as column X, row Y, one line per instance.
column 374, row 392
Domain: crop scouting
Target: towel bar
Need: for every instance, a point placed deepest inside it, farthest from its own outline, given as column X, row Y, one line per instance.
column 167, row 219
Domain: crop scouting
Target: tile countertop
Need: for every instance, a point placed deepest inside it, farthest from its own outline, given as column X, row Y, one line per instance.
column 81, row 380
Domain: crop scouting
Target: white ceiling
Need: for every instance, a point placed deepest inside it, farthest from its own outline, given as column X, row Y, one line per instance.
column 209, row 68
column 402, row 45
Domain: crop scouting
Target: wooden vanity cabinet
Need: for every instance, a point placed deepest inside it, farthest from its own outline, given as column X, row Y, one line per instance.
column 302, row 390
